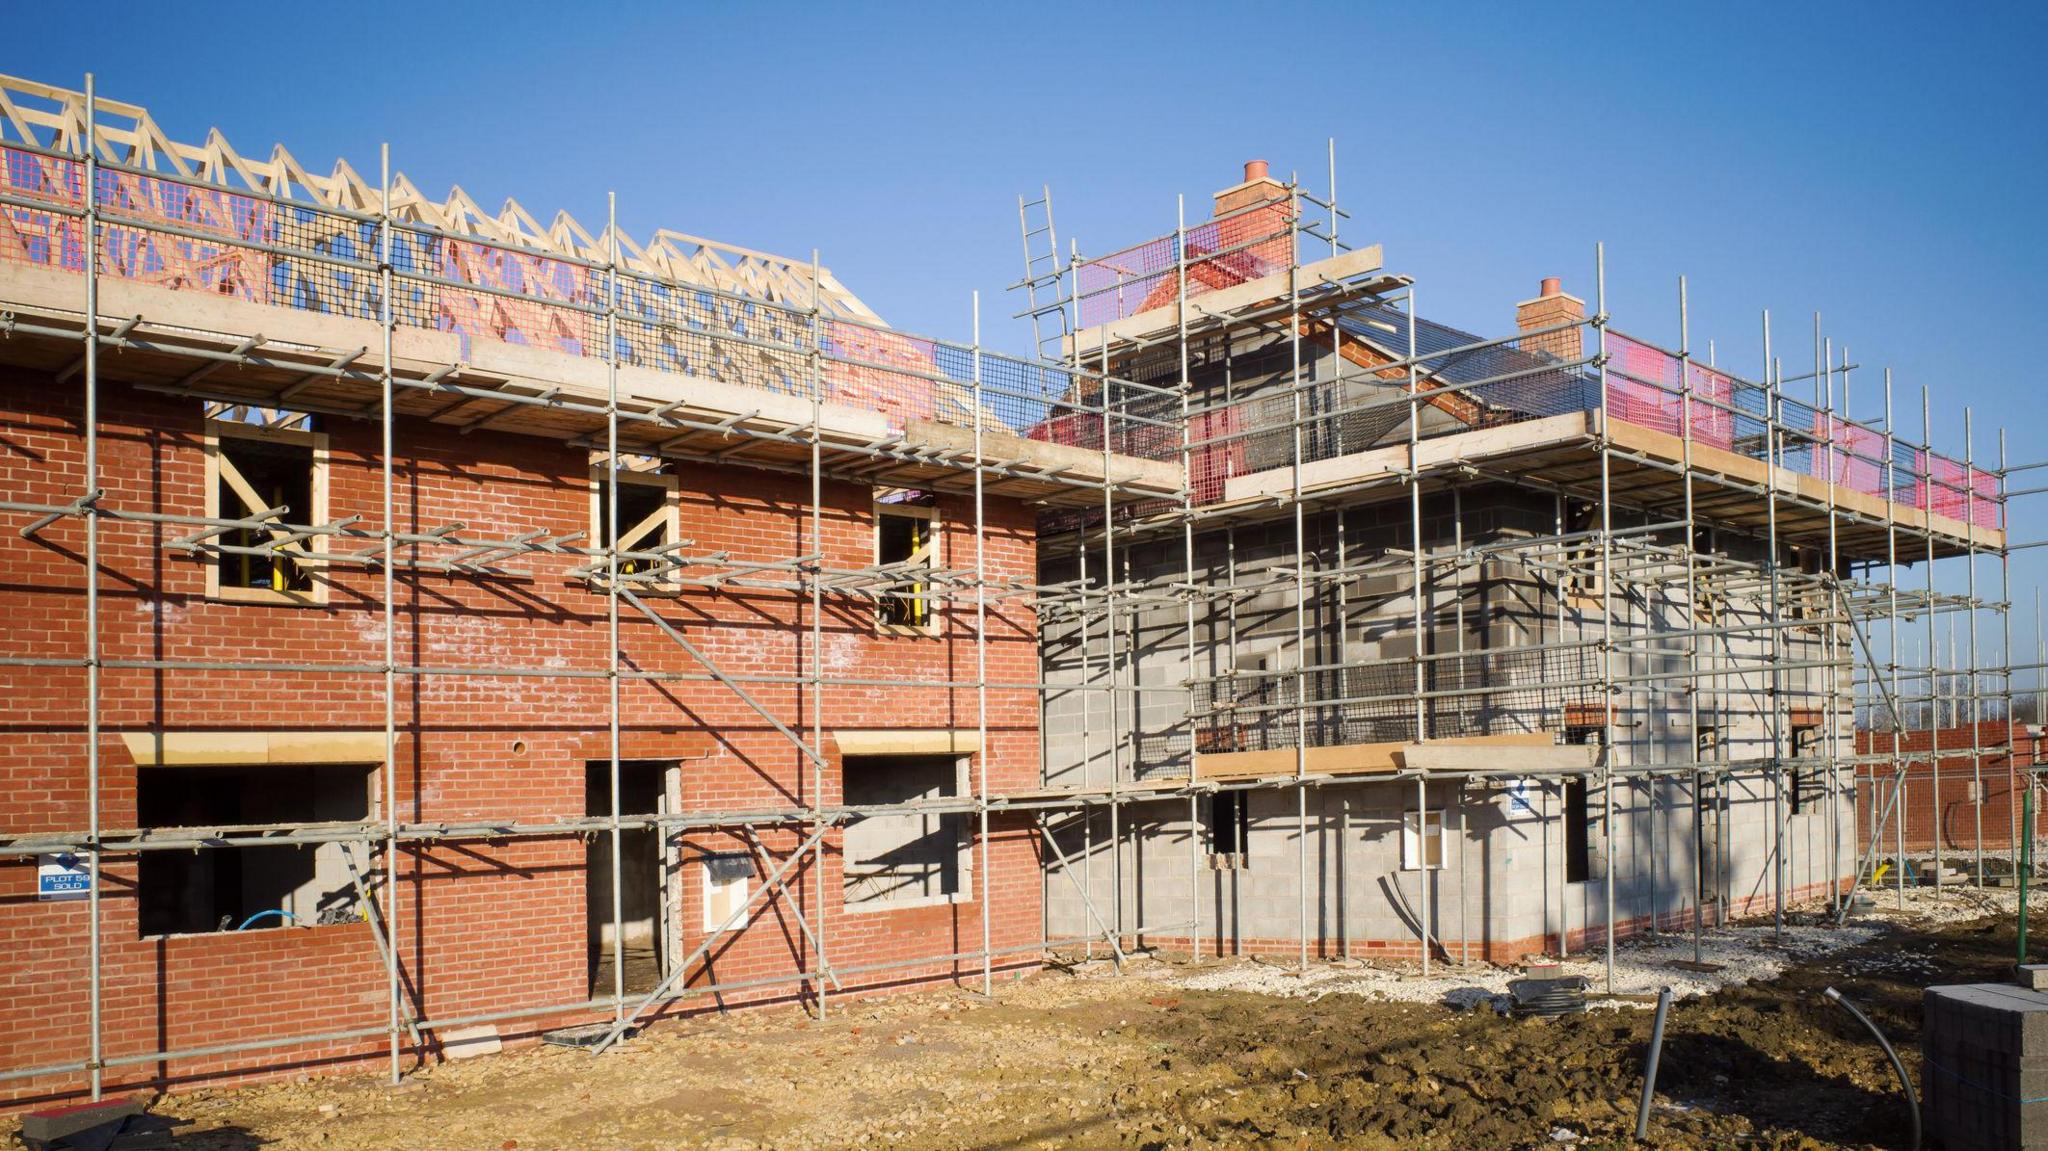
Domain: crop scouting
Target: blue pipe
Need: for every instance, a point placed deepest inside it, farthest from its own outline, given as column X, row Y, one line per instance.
column 280, row 912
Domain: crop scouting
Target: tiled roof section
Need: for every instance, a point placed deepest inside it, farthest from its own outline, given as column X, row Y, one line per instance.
column 1539, row 387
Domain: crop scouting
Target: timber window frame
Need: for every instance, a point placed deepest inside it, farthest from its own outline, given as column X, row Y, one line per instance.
column 292, row 582
column 1422, row 839
column 908, row 538
column 644, row 527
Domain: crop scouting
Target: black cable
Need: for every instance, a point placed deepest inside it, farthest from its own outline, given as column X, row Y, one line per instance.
column 1905, row 1081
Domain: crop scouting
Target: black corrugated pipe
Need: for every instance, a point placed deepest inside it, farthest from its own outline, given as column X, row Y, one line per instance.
column 1905, row 1081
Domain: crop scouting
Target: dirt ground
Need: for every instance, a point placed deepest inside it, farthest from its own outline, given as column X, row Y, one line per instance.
column 1082, row 1059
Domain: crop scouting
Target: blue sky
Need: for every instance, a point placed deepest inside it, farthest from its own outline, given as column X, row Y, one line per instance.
column 1882, row 164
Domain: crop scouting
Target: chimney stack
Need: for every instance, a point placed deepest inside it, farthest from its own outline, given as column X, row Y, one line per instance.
column 1257, row 187
column 1550, row 308
column 1259, row 230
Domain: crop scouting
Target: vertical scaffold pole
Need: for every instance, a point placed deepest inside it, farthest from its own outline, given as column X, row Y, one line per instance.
column 1927, row 486
column 1900, row 793
column 1831, row 652
column 1564, row 915
column 94, row 1069
column 1087, row 697
column 1774, row 699
column 389, row 564
column 1231, row 636
column 1416, row 594
column 815, row 663
column 1607, row 749
column 981, row 665
column 1692, row 604
column 1342, row 854
column 2012, row 840
column 611, row 598
column 1109, row 631
column 1975, row 677
column 1301, row 656
column 1187, row 535
column 1458, row 627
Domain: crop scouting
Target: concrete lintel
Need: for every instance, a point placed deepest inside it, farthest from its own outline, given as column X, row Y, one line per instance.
column 229, row 748
column 906, row 741
column 1453, row 757
column 1357, row 758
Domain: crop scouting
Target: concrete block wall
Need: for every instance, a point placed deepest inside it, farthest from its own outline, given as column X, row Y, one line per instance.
column 1499, row 895
column 485, row 925
column 1504, row 894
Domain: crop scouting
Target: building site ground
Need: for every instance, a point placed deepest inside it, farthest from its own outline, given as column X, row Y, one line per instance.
column 1240, row 1052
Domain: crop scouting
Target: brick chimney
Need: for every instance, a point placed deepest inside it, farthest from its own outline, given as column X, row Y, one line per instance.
column 1258, row 185
column 1263, row 227
column 1550, row 308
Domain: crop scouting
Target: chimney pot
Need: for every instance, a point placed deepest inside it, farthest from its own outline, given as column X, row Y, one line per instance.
column 1552, row 286
column 1254, row 170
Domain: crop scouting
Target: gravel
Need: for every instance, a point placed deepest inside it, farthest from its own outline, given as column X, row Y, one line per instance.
column 1747, row 951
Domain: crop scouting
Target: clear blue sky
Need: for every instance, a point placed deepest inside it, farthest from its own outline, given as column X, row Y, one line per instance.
column 1882, row 164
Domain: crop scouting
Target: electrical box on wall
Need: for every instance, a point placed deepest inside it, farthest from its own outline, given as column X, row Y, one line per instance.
column 726, row 880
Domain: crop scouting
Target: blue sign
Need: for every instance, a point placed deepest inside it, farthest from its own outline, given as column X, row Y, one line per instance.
column 62, row 876
column 1518, row 798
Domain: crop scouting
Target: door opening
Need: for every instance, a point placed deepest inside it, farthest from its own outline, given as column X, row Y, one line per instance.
column 643, row 918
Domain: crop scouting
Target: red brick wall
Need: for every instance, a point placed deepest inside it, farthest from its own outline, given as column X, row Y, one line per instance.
column 484, row 926
column 1956, row 813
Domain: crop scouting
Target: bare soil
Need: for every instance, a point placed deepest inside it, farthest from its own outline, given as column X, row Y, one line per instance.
column 1085, row 1059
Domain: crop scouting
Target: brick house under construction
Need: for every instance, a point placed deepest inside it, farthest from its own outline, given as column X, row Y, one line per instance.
column 825, row 540
column 428, row 628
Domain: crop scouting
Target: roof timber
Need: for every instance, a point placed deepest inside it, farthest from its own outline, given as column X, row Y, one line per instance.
column 51, row 118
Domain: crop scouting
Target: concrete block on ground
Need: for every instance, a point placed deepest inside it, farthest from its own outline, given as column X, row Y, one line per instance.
column 40, row 1128
column 1984, row 1078
column 470, row 1042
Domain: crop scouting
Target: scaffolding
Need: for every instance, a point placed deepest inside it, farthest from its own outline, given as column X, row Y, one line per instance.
column 1114, row 441
column 794, row 353
column 1780, row 527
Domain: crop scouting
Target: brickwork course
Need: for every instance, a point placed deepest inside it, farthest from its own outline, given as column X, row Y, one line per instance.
column 1973, row 800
